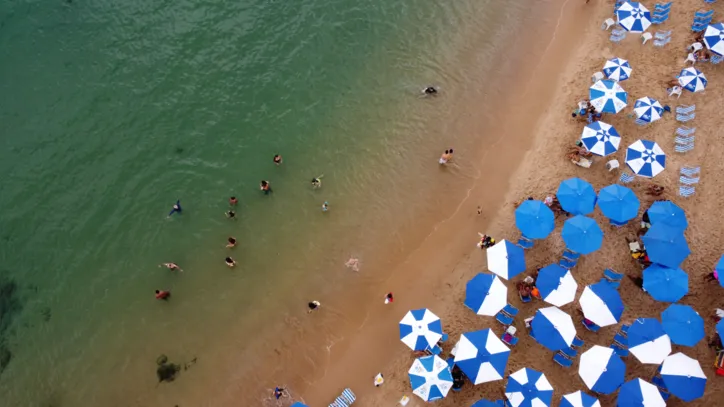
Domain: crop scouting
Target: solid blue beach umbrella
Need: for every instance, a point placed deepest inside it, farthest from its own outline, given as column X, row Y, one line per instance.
column 420, row 329
column 576, row 196
column 683, row 324
column 618, row 203
column 607, row 96
column 666, row 245
column 582, row 234
column 665, row 284
column 528, row 387
column 430, row 378
column 719, row 270
column 601, row 369
column 579, row 399
column 648, row 341
column 668, row 213
column 534, row 219
column 720, row 328
column 683, row 377
column 639, row 393
column 482, row 356
column 486, row 403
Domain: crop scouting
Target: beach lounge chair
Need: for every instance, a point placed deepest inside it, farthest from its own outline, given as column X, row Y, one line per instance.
column 570, row 353
column 716, row 59
column 686, row 191
column 619, row 350
column 688, row 181
column 685, row 109
column 562, row 360
column 403, row 401
column 577, row 342
column 510, row 310
column 684, row 140
column 525, row 298
column 608, row 23
column 612, row 165
column 597, row 77
column 703, row 15
column 571, row 255
column 641, row 122
column 345, row 400
column 646, row 36
column 695, row 47
column 663, row 6
column 685, row 131
column 613, row 284
column 626, row 177
column 661, row 43
column 660, row 13
column 698, row 27
column 685, row 117
column 583, row 162
column 659, row 19
column 683, row 148
column 709, row 1
column 624, row 329
column 503, row 319
column 525, row 243
column 690, row 171
column 621, row 340
column 590, row 326
column 663, row 35
column 611, row 275
column 617, row 38
column 690, row 58
column 566, row 263
column 509, row 339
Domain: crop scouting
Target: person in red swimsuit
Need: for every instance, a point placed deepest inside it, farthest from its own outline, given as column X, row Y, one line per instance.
column 163, row 295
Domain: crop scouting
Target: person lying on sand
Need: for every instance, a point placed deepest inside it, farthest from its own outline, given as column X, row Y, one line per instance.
column 655, row 190
column 580, row 150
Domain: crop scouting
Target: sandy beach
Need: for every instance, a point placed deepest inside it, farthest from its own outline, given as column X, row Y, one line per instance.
column 527, row 158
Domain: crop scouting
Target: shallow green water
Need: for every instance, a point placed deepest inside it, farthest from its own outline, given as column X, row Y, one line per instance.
column 110, row 111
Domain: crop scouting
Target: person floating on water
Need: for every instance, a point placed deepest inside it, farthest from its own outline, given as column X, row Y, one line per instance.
column 277, row 159
column 230, row 262
column 314, row 305
column 430, row 90
column 232, row 242
column 230, row 214
column 233, row 201
column 176, row 208
column 171, row 266
column 317, row 182
column 163, row 295
column 325, row 206
column 265, row 186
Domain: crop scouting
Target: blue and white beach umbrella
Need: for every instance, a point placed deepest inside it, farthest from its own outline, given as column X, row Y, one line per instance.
column 683, row 324
column 485, row 294
column 618, row 203
column 420, row 329
column 714, row 38
column 556, row 285
column 485, row 403
column 576, row 196
column 668, row 213
column 666, row 245
column 553, row 328
column 534, row 219
column 601, row 369
column 528, row 388
column 607, row 96
column 601, row 304
column 506, row 259
column 648, row 341
column 648, row 110
column 430, row 378
column 645, row 158
column 683, row 377
column 692, row 80
column 639, row 393
column 665, row 284
column 719, row 270
column 298, row 404
column 720, row 328
column 633, row 16
column 600, row 138
column 582, row 234
column 482, row 356
column 579, row 399
column 617, row 69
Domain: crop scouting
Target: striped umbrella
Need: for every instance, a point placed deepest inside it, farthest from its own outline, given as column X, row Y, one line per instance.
column 645, row 158
column 648, row 110
column 683, row 377
column 648, row 341
column 607, row 96
column 420, row 329
column 692, row 80
column 430, row 378
column 633, row 16
column 600, row 138
column 528, row 388
column 617, row 69
column 639, row 393
column 579, row 399
column 714, row 38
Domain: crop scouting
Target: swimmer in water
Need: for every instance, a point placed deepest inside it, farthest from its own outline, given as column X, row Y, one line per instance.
column 232, row 242
column 443, row 157
column 313, row 306
column 449, row 155
column 277, row 159
column 325, row 206
column 317, row 182
column 176, row 208
column 230, row 214
column 233, row 201
column 265, row 186
column 230, row 262
column 163, row 295
column 171, row 266
column 429, row 91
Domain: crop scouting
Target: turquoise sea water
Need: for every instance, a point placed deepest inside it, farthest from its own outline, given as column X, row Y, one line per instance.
column 110, row 111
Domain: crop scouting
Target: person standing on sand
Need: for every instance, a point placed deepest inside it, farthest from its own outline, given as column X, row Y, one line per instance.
column 389, row 298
